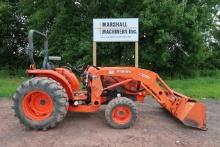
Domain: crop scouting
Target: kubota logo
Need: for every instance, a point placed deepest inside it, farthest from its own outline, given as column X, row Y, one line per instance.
column 120, row 71
column 123, row 71
column 144, row 76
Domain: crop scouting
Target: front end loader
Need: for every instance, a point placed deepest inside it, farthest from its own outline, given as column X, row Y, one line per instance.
column 43, row 101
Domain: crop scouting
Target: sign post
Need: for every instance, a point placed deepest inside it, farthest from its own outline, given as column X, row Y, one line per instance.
column 94, row 53
column 136, row 54
column 116, row 30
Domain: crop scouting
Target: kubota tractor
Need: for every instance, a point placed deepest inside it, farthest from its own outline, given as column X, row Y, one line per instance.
column 44, row 100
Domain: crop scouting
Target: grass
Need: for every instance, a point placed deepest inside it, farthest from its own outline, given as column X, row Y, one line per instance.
column 202, row 87
column 8, row 85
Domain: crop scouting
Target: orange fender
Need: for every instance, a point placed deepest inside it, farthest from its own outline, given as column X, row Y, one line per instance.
column 66, row 78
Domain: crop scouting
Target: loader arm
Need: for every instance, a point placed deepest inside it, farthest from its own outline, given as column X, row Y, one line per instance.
column 190, row 112
column 187, row 110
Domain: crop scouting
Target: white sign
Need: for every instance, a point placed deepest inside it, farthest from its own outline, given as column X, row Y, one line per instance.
column 115, row 30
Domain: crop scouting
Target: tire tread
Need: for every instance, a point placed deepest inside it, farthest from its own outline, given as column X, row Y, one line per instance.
column 57, row 93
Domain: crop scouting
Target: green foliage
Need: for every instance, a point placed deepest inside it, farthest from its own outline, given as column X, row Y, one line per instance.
column 11, row 35
column 214, row 60
column 174, row 35
column 175, row 32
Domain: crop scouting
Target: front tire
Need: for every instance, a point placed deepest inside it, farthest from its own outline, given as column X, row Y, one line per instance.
column 40, row 103
column 121, row 113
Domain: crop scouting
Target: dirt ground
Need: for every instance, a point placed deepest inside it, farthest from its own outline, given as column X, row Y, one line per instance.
column 154, row 127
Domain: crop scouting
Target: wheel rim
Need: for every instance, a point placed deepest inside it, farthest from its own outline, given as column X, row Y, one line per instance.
column 121, row 114
column 37, row 105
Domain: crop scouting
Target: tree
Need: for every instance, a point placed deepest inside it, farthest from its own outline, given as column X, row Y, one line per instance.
column 214, row 60
column 174, row 34
column 11, row 35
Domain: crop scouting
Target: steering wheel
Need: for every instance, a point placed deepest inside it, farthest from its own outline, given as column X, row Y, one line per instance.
column 78, row 68
column 92, row 66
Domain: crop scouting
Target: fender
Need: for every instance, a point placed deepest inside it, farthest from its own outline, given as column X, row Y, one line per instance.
column 71, row 78
column 67, row 79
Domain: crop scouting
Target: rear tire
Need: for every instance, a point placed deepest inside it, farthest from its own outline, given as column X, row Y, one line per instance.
column 40, row 103
column 121, row 113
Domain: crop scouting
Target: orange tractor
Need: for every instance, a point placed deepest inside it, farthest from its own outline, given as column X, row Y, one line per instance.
column 43, row 101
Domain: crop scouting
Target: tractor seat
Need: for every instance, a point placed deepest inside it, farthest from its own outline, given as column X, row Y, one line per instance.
column 50, row 65
column 54, row 58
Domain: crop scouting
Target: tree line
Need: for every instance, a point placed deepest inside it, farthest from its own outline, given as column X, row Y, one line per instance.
column 177, row 37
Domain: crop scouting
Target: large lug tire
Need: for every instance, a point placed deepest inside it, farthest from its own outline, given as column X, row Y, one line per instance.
column 40, row 103
column 121, row 113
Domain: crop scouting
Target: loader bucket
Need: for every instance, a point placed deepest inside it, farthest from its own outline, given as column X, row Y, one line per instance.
column 192, row 113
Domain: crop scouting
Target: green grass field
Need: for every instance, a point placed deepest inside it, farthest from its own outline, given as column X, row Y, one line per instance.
column 204, row 87
column 8, row 85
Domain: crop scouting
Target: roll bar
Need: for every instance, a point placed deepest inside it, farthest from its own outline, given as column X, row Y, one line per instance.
column 30, row 48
